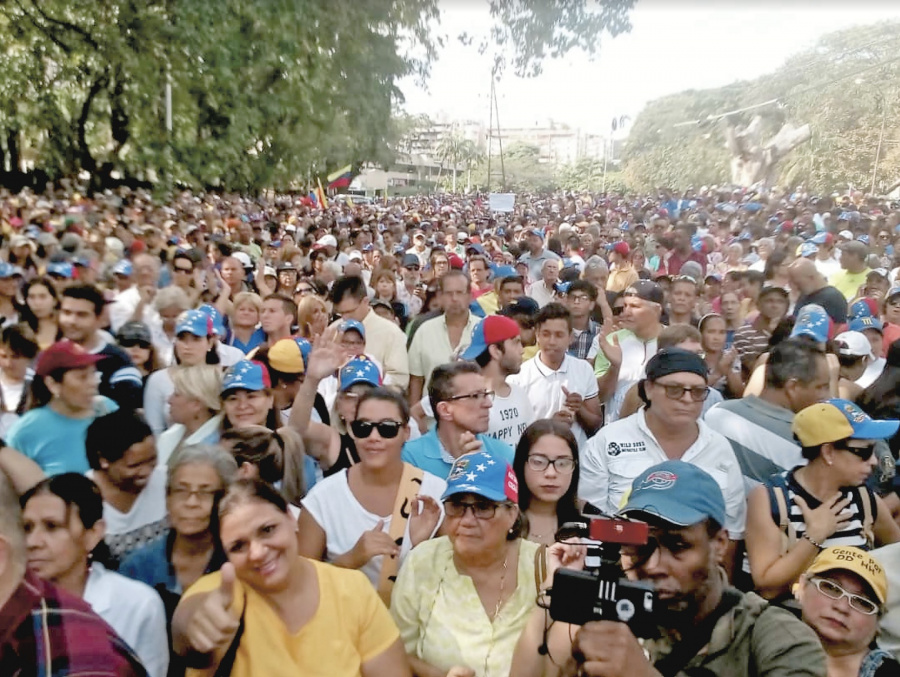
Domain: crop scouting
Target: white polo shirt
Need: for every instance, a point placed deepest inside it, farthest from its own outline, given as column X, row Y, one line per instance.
column 544, row 387
column 621, row 451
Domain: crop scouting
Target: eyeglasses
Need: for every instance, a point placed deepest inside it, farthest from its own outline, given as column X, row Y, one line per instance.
column 579, row 298
column 478, row 397
column 303, row 290
column 482, row 510
column 676, row 392
column 387, row 430
column 833, row 591
column 185, row 493
column 564, row 465
column 863, row 452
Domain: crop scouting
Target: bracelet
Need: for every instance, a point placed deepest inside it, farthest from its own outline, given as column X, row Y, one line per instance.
column 818, row 545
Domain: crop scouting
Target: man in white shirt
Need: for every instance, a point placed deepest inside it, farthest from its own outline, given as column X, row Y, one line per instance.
column 544, row 290
column 668, row 427
column 558, row 385
column 136, row 302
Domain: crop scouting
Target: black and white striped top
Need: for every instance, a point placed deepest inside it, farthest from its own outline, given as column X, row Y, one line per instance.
column 852, row 534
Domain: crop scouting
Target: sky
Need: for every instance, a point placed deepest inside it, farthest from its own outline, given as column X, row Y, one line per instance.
column 674, row 45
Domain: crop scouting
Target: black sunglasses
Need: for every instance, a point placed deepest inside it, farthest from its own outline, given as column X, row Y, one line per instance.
column 131, row 343
column 863, row 453
column 387, row 430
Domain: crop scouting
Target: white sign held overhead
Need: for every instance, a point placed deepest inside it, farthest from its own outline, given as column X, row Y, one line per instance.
column 502, row 202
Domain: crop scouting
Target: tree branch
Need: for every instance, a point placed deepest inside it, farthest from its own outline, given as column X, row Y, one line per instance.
column 69, row 26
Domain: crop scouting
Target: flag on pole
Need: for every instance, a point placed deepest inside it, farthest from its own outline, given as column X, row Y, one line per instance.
column 341, row 178
column 320, row 195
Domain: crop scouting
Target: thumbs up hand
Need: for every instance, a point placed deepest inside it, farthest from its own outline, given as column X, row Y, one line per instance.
column 213, row 625
column 371, row 544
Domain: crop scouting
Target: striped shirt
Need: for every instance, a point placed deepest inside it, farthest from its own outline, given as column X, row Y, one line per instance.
column 760, row 435
column 852, row 534
column 750, row 343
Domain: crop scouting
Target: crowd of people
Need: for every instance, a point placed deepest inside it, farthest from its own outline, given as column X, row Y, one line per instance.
column 262, row 437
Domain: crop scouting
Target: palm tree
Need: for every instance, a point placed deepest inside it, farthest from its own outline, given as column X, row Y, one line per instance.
column 450, row 150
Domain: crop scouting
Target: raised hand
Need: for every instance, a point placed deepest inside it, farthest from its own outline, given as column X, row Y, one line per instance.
column 213, row 625
column 424, row 516
column 373, row 543
column 611, row 349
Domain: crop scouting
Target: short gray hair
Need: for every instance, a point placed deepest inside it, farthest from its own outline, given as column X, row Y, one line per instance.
column 596, row 263
column 215, row 457
column 171, row 297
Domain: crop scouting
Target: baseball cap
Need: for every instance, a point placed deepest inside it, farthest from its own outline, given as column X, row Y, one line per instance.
column 866, row 307
column 289, row 355
column 8, row 270
column 217, row 319
column 838, row 419
column 244, row 258
column 812, row 321
column 822, row 238
column 123, row 268
column 492, row 329
column 354, row 255
column 194, row 322
column 359, row 370
column 246, row 375
column 134, row 331
column 64, row 355
column 462, row 237
column 524, row 305
column 501, row 272
column 845, row 235
column 807, row 249
column 856, row 561
column 677, row 492
column 535, row 231
column 61, row 269
column 862, row 323
column 619, row 248
column 327, row 241
column 892, row 292
column 773, row 288
column 456, row 263
column 853, row 344
column 645, row 290
column 411, row 260
column 675, row 361
column 482, row 474
column 353, row 325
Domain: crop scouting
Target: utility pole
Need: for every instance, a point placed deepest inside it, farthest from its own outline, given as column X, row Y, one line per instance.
column 493, row 107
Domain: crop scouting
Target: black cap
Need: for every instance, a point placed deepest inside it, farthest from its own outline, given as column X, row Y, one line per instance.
column 675, row 361
column 770, row 288
column 524, row 305
column 411, row 260
column 134, row 331
column 646, row 290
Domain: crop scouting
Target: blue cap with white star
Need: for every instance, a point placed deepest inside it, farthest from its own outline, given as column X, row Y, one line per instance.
column 360, row 370
column 482, row 474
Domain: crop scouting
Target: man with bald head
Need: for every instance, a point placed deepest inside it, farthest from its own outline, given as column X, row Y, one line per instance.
column 814, row 288
column 46, row 630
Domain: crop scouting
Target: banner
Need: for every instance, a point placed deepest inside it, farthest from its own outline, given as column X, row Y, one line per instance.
column 502, row 202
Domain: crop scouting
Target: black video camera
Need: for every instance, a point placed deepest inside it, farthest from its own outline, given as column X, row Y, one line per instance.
column 603, row 594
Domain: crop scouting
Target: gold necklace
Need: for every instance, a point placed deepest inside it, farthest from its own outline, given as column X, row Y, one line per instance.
column 502, row 581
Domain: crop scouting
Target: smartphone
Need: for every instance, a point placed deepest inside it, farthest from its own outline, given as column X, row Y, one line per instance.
column 626, row 532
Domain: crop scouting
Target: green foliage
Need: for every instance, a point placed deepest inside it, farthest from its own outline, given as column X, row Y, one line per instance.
column 264, row 92
column 844, row 87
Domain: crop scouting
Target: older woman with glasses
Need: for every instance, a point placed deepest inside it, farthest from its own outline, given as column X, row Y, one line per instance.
column 462, row 600
column 842, row 596
column 798, row 513
column 371, row 515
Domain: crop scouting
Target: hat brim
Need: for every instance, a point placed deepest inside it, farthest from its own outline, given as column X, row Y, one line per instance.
column 875, row 430
column 666, row 509
column 75, row 362
column 475, row 490
column 473, row 351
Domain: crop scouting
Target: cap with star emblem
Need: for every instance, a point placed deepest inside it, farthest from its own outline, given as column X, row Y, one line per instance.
column 485, row 475
column 360, row 370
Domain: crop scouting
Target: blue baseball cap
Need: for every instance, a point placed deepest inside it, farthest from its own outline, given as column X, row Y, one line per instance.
column 123, row 268
column 501, row 272
column 482, row 474
column 812, row 321
column 289, row 355
column 194, row 322
column 893, row 291
column 353, row 325
column 822, row 237
column 865, row 322
column 246, row 375
column 492, row 329
column 808, row 249
column 61, row 269
column 679, row 493
column 359, row 370
column 837, row 419
column 8, row 270
column 535, row 231
column 860, row 308
column 216, row 317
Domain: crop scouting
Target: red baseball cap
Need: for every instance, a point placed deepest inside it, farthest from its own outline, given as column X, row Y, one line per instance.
column 64, row 355
column 492, row 329
column 456, row 263
column 620, row 248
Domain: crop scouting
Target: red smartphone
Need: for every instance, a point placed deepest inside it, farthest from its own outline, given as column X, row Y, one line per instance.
column 625, row 532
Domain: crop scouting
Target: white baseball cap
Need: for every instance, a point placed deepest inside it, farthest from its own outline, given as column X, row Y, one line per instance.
column 327, row 241
column 853, row 344
column 244, row 258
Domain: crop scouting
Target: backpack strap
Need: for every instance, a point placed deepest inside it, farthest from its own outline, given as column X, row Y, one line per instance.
column 868, row 519
column 778, row 504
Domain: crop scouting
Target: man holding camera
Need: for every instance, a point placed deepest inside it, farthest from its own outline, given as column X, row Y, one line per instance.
column 704, row 626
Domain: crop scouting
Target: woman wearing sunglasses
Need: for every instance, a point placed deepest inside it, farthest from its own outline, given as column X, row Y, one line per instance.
column 842, row 597
column 357, row 517
column 798, row 513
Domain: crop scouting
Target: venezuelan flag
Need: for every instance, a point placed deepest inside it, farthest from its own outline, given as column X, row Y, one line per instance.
column 320, row 195
column 341, row 178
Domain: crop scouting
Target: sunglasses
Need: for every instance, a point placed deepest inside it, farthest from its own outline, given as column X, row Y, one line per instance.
column 863, row 453
column 132, row 343
column 676, row 392
column 387, row 430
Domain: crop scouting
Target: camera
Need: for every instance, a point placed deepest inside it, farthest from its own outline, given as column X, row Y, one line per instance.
column 603, row 594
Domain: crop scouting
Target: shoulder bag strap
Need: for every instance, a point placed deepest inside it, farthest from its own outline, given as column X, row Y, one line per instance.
column 685, row 650
column 410, row 483
column 540, row 568
column 227, row 663
column 865, row 499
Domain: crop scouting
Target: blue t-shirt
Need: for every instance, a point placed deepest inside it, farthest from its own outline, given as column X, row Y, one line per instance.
column 257, row 338
column 428, row 453
column 53, row 441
